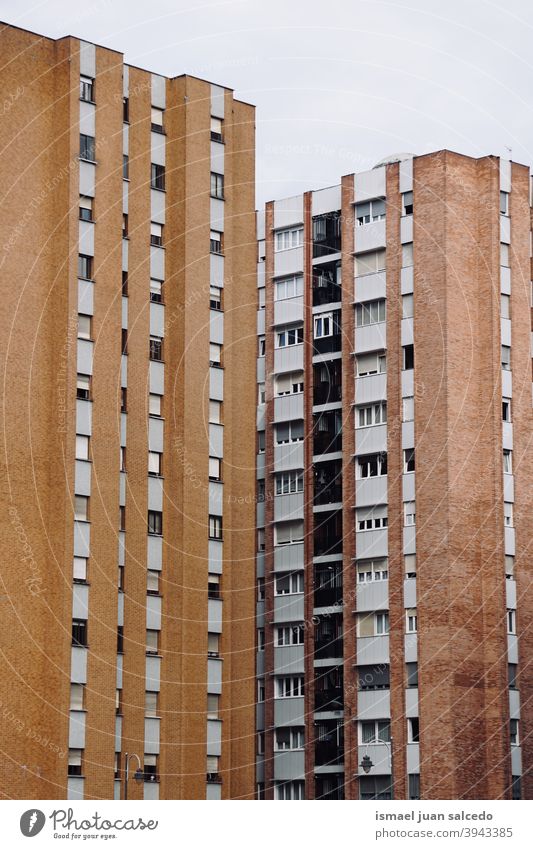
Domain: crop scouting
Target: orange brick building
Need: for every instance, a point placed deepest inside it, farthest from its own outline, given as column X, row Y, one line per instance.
column 128, row 436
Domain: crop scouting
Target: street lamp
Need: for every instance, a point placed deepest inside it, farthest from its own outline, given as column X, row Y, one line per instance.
column 138, row 775
column 367, row 763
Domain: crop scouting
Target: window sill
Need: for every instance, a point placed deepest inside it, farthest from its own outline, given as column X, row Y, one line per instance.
column 157, row 189
column 156, row 361
column 216, row 197
column 87, row 220
column 216, row 253
column 90, row 161
column 154, row 535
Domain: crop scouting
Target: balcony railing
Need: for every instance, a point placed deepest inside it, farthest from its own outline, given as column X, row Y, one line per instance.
column 332, row 699
column 328, row 752
column 327, row 596
column 332, row 648
column 327, row 344
column 325, row 292
column 331, row 494
column 325, row 442
column 327, row 393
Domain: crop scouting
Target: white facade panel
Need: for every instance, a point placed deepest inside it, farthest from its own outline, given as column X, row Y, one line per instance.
column 370, row 184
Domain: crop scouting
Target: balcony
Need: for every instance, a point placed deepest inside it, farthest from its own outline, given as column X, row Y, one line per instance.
column 326, row 234
column 328, row 753
column 329, row 787
column 326, row 284
column 328, row 483
column 328, row 534
column 327, row 387
column 327, row 647
column 326, row 442
column 330, row 699
column 327, row 596
column 327, row 344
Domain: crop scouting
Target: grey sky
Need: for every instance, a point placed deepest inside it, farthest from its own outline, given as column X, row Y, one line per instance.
column 338, row 85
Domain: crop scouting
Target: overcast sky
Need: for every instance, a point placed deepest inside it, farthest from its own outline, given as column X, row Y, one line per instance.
column 338, row 84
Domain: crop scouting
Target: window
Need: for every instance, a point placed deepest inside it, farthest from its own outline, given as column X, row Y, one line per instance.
column 215, row 412
column 289, row 583
column 414, row 785
column 324, row 325
column 375, row 677
column 289, row 790
column 261, row 295
column 407, row 255
column 82, row 447
column 122, row 518
column 124, row 341
column 506, row 358
column 289, row 482
column 506, row 409
column 382, row 623
column 289, row 738
column 512, row 669
column 155, row 522
column 371, row 312
column 213, row 585
column 216, row 129
column 154, row 463
column 515, row 740
column 120, row 582
column 505, row 306
column 369, row 211
column 152, row 641
column 410, row 565
column 213, row 702
column 156, row 234
column 87, row 148
column 372, row 570
column 409, row 513
column 126, row 110
column 371, row 518
column 76, row 696
column 154, row 404
column 413, row 730
column 83, row 387
column 79, row 569
column 511, row 621
column 150, row 768
column 374, row 731
column 288, row 532
column 81, row 508
column 152, row 581
column 408, row 357
column 290, row 336
column 215, row 354
column 410, row 621
column 290, row 384
column 75, row 761
column 217, row 185
column 79, row 632
column 407, row 306
column 156, row 348
column 125, row 284
column 289, row 687
column 290, row 635
column 509, row 566
column 215, row 298
column 215, row 242
column 408, row 412
column 292, row 237
column 215, row 527
column 85, row 266
column 87, row 89
column 504, row 254
column 504, row 203
column 507, row 461
column 516, row 787
column 369, row 263
column 213, row 766
column 84, row 326
column 371, row 364
column 124, row 226
column 123, row 399
column 407, row 203
column 411, row 670
column 372, row 624
column 125, row 167
column 156, row 291
column 86, row 208
column 214, row 469
column 213, row 645
column 373, row 414
column 260, row 589
column 261, row 690
column 120, row 639
column 157, row 177
column 289, row 287
column 262, row 347
column 409, row 460
column 290, row 432
column 150, row 703
column 372, row 465
column 157, row 120
column 508, row 514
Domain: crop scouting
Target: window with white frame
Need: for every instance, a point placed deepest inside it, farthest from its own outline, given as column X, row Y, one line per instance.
column 515, row 739
column 370, row 312
column 289, row 583
column 511, row 621
column 374, row 731
column 509, row 566
column 372, row 465
column 410, row 565
column 506, row 409
column 290, row 635
column 407, row 306
column 369, row 211
column 409, row 508
column 506, row 358
column 289, row 336
column 504, row 203
column 215, row 527
column 215, row 298
column 410, row 621
column 507, row 461
column 407, row 203
column 409, row 460
column 504, row 254
column 371, row 414
column 289, row 432
column 413, row 730
column 289, row 738
column 214, row 469
column 289, row 790
column 215, row 354
column 505, row 310
column 508, row 514
column 407, row 255
column 289, row 686
column 372, row 624
column 289, row 287
column 290, row 383
column 370, row 262
column 367, row 364
column 372, row 570
column 323, row 325
column 291, row 237
column 286, row 533
column 289, row 482
column 371, row 518
column 215, row 242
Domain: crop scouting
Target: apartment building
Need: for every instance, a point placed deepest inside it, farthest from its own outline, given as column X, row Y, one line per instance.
column 394, row 647
column 128, row 429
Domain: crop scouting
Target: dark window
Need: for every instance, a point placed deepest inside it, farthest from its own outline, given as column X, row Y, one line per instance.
column 409, row 460
column 375, row 788
column 216, row 129
column 516, row 787
column 412, row 674
column 125, row 283
column 407, row 203
column 120, row 639
column 215, row 242
column 157, row 180
column 213, row 587
column 414, row 786
column 217, row 185
column 512, row 668
column 156, row 234
column 122, row 518
column 121, row 577
column 125, row 167
column 157, row 120
column 124, row 341
column 87, row 147
column 156, row 291
column 87, row 89
column 374, row 677
column 83, row 387
column 123, row 400
column 326, row 234
column 215, row 527
column 156, row 348
column 85, row 266
column 408, row 357
column 124, row 226
column 414, row 728
column 155, row 522
column 126, row 110
column 86, row 208
column 79, row 632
